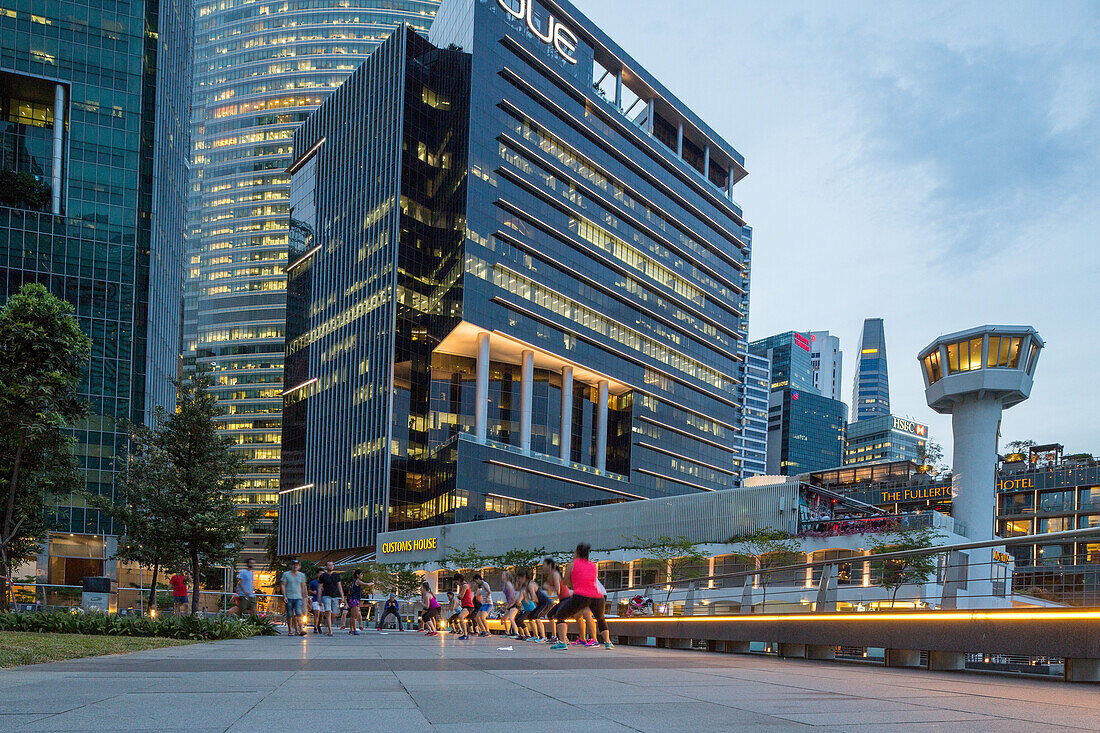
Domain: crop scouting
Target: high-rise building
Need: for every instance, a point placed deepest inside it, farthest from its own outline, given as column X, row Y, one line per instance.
column 516, row 285
column 827, row 362
column 756, row 390
column 95, row 102
column 871, row 391
column 806, row 431
column 885, row 439
column 790, row 354
column 261, row 67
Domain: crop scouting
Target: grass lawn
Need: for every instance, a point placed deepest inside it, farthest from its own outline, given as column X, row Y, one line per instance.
column 23, row 647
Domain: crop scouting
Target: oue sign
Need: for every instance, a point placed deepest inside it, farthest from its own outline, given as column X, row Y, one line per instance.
column 557, row 35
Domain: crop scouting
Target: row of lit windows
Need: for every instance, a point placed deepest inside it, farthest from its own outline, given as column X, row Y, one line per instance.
column 553, row 301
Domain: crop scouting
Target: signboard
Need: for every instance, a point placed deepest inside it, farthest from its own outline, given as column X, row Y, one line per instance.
column 1015, row 484
column 425, row 543
column 908, row 426
column 557, row 35
column 916, row 493
column 1004, row 557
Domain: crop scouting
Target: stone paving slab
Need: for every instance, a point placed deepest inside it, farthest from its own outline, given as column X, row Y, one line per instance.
column 407, row 682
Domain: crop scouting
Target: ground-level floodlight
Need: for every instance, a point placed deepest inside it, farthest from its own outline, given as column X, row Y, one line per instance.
column 973, row 375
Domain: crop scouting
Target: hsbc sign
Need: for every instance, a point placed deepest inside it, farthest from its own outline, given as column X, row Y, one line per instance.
column 908, row 426
column 557, row 35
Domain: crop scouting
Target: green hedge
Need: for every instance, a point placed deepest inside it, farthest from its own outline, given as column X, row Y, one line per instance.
column 171, row 627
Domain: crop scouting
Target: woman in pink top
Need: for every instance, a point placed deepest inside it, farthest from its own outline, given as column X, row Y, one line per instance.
column 586, row 596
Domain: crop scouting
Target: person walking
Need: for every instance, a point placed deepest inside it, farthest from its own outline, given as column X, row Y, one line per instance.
column 432, row 614
column 179, row 583
column 586, row 596
column 314, row 587
column 293, row 584
column 332, row 594
column 355, row 595
column 246, row 589
column 391, row 607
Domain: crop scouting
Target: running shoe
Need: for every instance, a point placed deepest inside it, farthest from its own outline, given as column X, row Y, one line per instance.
column 577, row 642
column 483, row 634
column 560, row 647
column 591, row 642
column 464, row 637
column 609, row 646
column 432, row 633
column 354, row 632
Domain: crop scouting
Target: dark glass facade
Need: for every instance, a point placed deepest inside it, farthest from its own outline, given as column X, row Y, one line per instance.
column 806, row 432
column 492, row 242
column 109, row 238
column 791, row 360
column 871, row 391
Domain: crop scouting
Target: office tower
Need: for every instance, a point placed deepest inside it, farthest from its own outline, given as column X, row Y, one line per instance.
column 806, row 431
column 827, row 362
column 871, row 391
column 791, row 360
column 95, row 103
column 884, row 439
column 754, row 410
column 261, row 68
column 516, row 284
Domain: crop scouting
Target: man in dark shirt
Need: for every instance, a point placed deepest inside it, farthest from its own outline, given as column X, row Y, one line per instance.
column 315, row 604
column 332, row 594
column 391, row 608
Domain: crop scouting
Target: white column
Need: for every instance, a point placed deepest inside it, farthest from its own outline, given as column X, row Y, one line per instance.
column 481, row 391
column 526, row 389
column 649, row 116
column 974, row 424
column 58, row 146
column 706, row 162
column 619, row 90
column 601, row 426
column 566, row 412
column 729, row 185
column 680, row 139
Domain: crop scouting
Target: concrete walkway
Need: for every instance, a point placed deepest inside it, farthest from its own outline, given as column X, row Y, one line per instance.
column 406, row 682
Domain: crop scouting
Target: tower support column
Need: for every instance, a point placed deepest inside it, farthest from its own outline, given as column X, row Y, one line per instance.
column 481, row 389
column 566, row 412
column 526, row 389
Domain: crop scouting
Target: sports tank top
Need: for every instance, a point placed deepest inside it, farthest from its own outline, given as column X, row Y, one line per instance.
column 584, row 579
column 433, row 603
column 467, row 598
column 563, row 589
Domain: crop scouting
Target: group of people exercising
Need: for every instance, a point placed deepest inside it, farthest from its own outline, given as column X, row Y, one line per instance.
column 532, row 612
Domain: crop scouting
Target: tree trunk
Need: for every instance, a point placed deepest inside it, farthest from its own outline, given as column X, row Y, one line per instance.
column 153, row 588
column 194, row 583
column 7, row 579
column 894, row 598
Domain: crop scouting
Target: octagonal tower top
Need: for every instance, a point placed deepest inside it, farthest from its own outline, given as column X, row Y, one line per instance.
column 986, row 362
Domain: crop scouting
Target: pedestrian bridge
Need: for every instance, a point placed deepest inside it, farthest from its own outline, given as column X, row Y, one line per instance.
column 405, row 682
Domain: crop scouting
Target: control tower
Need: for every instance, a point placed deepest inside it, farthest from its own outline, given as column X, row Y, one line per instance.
column 973, row 375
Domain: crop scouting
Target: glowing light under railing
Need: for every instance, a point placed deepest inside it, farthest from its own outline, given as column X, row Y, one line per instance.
column 886, row 616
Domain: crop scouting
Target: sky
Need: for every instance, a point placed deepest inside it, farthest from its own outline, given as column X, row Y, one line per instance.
column 933, row 164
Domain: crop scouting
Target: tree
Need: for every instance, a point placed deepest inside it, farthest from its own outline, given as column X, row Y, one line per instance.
column 896, row 572
column 769, row 549
column 43, row 353
column 929, row 454
column 678, row 557
column 144, row 497
column 519, row 558
column 401, row 580
column 1019, row 447
column 469, row 559
column 203, row 516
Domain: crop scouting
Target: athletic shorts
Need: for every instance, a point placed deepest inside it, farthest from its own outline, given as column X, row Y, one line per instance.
column 316, row 607
column 353, row 603
column 179, row 599
column 476, row 608
column 430, row 613
column 246, row 604
column 294, row 606
column 330, row 604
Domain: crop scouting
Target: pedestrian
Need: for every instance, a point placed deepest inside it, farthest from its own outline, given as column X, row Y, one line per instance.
column 332, row 594
column 586, row 595
column 246, row 593
column 454, row 608
column 315, row 603
column 465, row 597
column 483, row 603
column 555, row 586
column 293, row 584
column 179, row 583
column 391, row 607
column 355, row 594
column 431, row 615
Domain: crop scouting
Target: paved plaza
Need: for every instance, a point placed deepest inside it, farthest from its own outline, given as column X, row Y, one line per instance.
column 406, row 682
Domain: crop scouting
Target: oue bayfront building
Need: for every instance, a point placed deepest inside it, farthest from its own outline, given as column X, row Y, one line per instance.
column 518, row 283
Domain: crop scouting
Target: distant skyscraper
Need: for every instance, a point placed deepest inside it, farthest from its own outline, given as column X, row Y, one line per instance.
column 791, row 360
column 827, row 362
column 871, row 391
column 806, row 431
column 95, row 98
column 261, row 67
column 754, row 413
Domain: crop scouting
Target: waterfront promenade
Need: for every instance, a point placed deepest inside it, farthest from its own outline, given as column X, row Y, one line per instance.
column 406, row 682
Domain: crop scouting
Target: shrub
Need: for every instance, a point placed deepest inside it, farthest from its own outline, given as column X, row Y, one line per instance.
column 172, row 627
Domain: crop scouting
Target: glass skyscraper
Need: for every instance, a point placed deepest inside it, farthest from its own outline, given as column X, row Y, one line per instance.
column 261, row 68
column 518, row 283
column 94, row 101
column 871, row 391
column 791, row 360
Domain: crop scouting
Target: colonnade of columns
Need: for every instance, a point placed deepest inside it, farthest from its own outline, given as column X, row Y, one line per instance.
column 526, row 393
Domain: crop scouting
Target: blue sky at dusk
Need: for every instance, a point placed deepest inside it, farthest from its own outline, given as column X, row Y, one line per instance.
column 934, row 164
